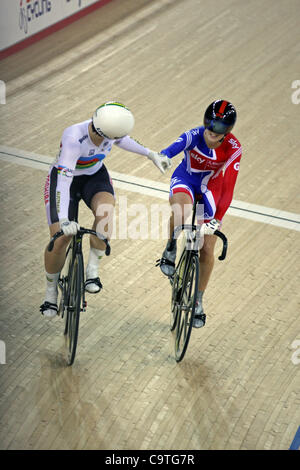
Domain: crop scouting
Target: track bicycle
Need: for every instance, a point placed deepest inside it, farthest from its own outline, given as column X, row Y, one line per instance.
column 71, row 285
column 185, row 281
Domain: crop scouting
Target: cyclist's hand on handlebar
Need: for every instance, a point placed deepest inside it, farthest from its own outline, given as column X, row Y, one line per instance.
column 210, row 227
column 162, row 162
column 69, row 227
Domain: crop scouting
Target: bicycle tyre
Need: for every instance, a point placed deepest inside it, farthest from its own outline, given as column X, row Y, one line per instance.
column 74, row 308
column 176, row 290
column 66, row 284
column 186, row 308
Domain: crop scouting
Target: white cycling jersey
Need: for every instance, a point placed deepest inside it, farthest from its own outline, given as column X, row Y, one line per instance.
column 78, row 156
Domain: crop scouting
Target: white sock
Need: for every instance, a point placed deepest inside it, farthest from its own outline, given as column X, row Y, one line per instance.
column 51, row 287
column 93, row 263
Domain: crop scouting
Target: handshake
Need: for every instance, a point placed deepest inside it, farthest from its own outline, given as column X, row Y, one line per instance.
column 160, row 160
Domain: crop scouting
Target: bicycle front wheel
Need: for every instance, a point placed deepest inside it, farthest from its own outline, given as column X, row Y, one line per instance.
column 74, row 308
column 176, row 290
column 186, row 307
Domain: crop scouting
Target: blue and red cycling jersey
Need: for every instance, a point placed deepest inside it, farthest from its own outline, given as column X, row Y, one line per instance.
column 209, row 172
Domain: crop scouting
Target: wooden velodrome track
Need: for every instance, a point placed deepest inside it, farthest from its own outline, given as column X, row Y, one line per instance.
column 238, row 386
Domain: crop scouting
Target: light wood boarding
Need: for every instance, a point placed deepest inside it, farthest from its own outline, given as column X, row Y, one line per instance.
column 238, row 386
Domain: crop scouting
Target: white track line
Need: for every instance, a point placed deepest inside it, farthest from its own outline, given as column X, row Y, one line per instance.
column 254, row 212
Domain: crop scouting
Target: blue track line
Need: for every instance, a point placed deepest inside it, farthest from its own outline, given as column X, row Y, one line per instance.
column 295, row 445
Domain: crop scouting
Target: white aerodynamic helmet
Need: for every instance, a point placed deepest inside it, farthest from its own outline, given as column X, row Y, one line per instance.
column 113, row 120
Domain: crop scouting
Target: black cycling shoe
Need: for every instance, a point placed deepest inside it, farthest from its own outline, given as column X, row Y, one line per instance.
column 167, row 262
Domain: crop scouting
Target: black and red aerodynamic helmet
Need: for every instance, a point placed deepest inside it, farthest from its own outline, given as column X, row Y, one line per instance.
column 220, row 117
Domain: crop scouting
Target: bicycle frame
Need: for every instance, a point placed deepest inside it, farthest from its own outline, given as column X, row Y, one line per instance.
column 72, row 286
column 187, row 275
column 196, row 228
column 76, row 247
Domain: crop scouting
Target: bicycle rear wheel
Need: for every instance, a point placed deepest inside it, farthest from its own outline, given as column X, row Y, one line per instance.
column 74, row 307
column 186, row 308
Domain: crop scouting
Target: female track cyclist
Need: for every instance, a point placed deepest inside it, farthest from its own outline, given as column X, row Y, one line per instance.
column 208, row 170
column 79, row 173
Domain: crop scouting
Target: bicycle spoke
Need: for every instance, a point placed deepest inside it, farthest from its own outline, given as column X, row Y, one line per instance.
column 186, row 308
column 71, row 284
column 74, row 308
column 185, row 283
column 176, row 292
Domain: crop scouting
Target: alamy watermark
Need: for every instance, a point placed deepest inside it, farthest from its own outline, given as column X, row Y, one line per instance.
column 2, row 92
column 2, row 352
column 296, row 354
column 142, row 222
column 295, row 96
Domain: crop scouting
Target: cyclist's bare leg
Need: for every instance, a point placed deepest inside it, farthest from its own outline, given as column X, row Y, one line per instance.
column 181, row 207
column 55, row 259
column 206, row 259
column 102, row 205
column 54, row 262
column 181, row 204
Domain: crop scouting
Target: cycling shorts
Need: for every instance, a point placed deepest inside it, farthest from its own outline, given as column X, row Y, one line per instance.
column 82, row 187
column 197, row 185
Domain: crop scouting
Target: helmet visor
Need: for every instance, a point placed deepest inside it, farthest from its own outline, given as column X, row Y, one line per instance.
column 217, row 126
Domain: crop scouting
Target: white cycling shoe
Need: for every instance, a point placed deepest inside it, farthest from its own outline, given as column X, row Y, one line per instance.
column 93, row 285
column 49, row 309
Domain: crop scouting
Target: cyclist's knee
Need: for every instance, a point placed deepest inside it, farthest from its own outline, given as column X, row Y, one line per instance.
column 207, row 249
column 181, row 205
column 102, row 205
column 106, row 214
column 62, row 242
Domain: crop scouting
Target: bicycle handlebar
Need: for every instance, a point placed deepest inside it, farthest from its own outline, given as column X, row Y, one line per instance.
column 81, row 231
column 217, row 233
column 225, row 244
